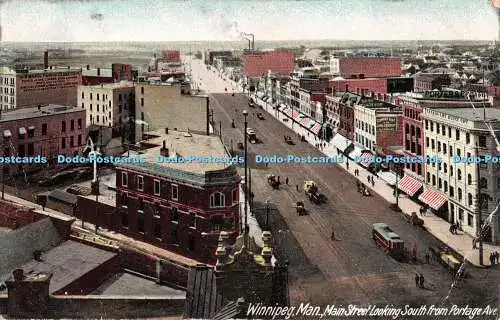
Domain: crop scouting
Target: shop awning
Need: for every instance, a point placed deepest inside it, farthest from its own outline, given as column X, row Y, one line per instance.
column 7, row 133
column 22, row 130
column 316, row 128
column 288, row 112
column 282, row 107
column 305, row 122
column 356, row 152
column 433, row 199
column 295, row 115
column 260, row 94
column 366, row 159
column 388, row 177
column 409, row 185
column 340, row 142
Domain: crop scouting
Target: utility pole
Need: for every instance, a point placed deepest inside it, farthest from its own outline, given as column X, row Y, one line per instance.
column 397, row 190
column 246, row 229
column 250, row 189
column 479, row 221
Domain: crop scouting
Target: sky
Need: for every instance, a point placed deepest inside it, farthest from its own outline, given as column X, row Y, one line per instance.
column 224, row 20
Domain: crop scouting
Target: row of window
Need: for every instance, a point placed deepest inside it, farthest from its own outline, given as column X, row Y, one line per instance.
column 104, row 96
column 97, row 119
column 365, row 126
column 63, row 126
column 442, row 129
column 412, row 114
column 217, row 199
column 6, row 81
column 103, row 109
column 364, row 141
column 71, row 142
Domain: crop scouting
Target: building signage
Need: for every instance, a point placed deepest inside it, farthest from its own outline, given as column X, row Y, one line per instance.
column 445, row 94
column 387, row 124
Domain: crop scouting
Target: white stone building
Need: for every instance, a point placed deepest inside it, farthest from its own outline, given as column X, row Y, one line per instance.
column 463, row 132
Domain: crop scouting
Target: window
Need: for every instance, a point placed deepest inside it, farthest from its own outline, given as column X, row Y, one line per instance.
column 97, row 108
column 72, row 125
column 31, row 149
column 446, row 186
column 449, row 132
column 469, row 179
column 91, row 107
column 157, row 211
column 120, row 108
column 31, row 132
column 140, row 183
column 91, row 96
column 174, row 237
column 451, row 151
column 432, row 144
column 470, row 219
column 157, row 230
column 482, row 141
column 157, row 187
column 175, row 192
column 191, row 243
column 439, row 146
column 459, row 152
column 457, row 135
column 83, row 95
column 140, row 222
column 142, row 102
column 192, row 220
column 79, row 140
column 217, row 200
column 445, row 148
column 141, row 205
column 124, row 179
column 44, row 129
column 443, row 130
column 426, row 124
column 79, row 123
column 469, row 199
column 432, row 126
column 433, row 180
column 428, row 177
column 459, row 174
column 71, row 141
column 63, row 126
column 124, row 219
column 175, row 215
column 451, row 170
column 427, row 142
column 235, row 196
column 459, row 194
column 97, row 97
column 437, row 128
column 124, row 200
column 119, row 97
column 467, row 138
column 440, row 183
column 461, row 214
column 483, row 183
column 63, row 143
column 452, row 191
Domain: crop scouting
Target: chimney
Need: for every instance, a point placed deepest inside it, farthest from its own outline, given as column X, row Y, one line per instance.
column 88, row 67
column 39, row 107
column 45, row 59
column 166, row 130
column 98, row 72
column 164, row 150
column 68, row 67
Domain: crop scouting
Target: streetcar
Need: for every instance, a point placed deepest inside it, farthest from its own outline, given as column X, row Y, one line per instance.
column 387, row 239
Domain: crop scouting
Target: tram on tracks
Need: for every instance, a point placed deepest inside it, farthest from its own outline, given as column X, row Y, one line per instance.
column 387, row 239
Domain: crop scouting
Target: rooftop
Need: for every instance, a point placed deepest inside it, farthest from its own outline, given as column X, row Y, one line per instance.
column 67, row 262
column 202, row 148
column 34, row 112
column 116, row 85
column 105, row 73
column 471, row 114
column 107, row 187
column 6, row 70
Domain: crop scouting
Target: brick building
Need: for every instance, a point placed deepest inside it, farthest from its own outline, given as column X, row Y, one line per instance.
column 172, row 55
column 430, row 81
column 108, row 104
column 30, row 88
column 122, row 72
column 95, row 76
column 165, row 106
column 179, row 206
column 364, row 67
column 257, row 64
column 47, row 131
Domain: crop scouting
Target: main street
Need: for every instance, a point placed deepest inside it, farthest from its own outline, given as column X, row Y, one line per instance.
column 351, row 269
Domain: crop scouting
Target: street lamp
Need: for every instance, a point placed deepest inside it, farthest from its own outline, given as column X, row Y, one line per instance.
column 245, row 114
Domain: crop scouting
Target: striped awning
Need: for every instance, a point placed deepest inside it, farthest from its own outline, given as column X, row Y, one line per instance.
column 356, row 152
column 282, row 106
column 295, row 115
column 340, row 142
column 433, row 199
column 287, row 112
column 305, row 122
column 366, row 158
column 409, row 185
column 388, row 177
column 316, row 128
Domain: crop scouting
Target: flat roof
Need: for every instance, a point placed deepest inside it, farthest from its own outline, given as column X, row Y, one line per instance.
column 67, row 262
column 126, row 284
column 117, row 85
column 472, row 114
column 107, row 189
column 34, row 112
column 104, row 72
column 183, row 144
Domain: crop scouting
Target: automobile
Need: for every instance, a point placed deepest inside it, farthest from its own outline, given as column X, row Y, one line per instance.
column 260, row 116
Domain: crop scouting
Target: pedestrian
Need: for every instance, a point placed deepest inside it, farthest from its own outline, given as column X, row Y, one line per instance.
column 96, row 229
column 347, row 165
column 474, row 243
column 278, row 179
column 286, row 180
column 333, row 236
column 373, row 182
column 427, row 258
column 368, row 178
column 497, row 255
column 451, row 229
column 358, row 184
column 297, row 187
column 421, row 281
column 414, row 253
column 492, row 258
column 417, row 280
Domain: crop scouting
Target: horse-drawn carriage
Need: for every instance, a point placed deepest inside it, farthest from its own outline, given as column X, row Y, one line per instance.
column 301, row 211
column 446, row 258
column 312, row 192
column 273, row 182
column 240, row 146
column 289, row 140
column 363, row 189
column 413, row 219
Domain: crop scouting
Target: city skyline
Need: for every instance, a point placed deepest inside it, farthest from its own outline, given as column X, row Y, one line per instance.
column 92, row 21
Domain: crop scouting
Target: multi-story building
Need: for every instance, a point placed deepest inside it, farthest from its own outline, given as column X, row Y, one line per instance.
column 109, row 104
column 413, row 141
column 165, row 106
column 463, row 132
column 30, row 88
column 46, row 131
column 430, row 81
column 181, row 207
column 366, row 67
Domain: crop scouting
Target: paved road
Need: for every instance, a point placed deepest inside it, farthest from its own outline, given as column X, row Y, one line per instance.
column 353, row 263
column 353, row 269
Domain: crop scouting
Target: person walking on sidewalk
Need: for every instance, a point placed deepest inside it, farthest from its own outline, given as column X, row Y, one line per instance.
column 417, row 280
column 286, row 180
column 421, row 281
column 474, row 241
column 373, row 182
column 347, row 164
column 297, row 187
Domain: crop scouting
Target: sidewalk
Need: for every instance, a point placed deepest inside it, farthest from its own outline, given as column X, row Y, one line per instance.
column 461, row 243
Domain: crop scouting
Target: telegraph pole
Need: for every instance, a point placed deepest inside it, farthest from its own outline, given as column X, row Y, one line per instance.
column 479, row 222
